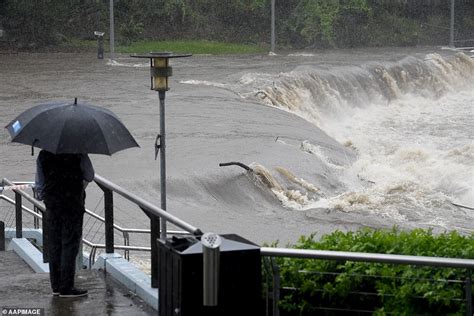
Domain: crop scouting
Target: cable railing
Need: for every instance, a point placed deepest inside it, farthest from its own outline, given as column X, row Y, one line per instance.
column 272, row 270
column 37, row 215
column 154, row 213
column 270, row 256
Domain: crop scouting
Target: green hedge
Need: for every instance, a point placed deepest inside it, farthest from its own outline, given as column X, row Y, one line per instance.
column 309, row 285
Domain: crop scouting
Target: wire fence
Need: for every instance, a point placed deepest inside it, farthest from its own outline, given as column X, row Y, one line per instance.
column 376, row 288
column 93, row 226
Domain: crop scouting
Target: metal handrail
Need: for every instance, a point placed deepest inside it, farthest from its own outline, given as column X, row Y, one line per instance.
column 85, row 241
column 153, row 209
column 42, row 208
column 29, row 211
column 38, row 215
column 154, row 213
column 94, row 248
column 34, row 201
column 368, row 257
column 133, row 230
column 364, row 257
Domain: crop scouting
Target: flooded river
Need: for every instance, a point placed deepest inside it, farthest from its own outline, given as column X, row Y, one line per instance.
column 336, row 139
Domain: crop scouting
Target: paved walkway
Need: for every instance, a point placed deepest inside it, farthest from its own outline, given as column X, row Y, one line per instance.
column 20, row 287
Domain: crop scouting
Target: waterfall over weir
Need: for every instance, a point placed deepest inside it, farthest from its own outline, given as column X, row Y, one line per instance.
column 317, row 93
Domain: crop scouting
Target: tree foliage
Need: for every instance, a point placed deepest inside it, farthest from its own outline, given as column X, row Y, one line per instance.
column 299, row 23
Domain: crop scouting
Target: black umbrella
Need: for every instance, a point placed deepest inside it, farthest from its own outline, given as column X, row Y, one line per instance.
column 71, row 128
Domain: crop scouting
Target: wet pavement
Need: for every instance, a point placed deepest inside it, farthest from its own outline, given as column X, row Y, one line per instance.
column 20, row 287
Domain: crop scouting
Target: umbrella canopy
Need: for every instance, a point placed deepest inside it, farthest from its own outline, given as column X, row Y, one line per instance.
column 71, row 128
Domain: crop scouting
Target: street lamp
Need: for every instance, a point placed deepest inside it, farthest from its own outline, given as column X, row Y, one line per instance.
column 159, row 73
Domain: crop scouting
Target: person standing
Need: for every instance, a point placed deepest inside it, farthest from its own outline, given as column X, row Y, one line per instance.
column 60, row 182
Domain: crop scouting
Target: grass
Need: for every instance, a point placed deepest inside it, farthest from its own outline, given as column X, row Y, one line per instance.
column 192, row 47
column 78, row 43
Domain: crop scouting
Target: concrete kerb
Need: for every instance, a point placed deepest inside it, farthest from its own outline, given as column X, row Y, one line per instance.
column 29, row 253
column 128, row 275
column 28, row 233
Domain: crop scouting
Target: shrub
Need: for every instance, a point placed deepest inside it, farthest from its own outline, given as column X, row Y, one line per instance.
column 399, row 289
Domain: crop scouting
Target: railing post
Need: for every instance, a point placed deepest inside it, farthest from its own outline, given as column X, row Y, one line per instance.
column 18, row 215
column 469, row 293
column 2, row 236
column 109, row 220
column 276, row 287
column 126, row 242
column 154, row 235
column 267, row 282
column 36, row 209
column 155, row 229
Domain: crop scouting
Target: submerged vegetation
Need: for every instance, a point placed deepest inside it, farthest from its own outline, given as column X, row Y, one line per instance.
column 399, row 289
column 299, row 23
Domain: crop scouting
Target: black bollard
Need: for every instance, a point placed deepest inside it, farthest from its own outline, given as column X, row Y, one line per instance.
column 100, row 44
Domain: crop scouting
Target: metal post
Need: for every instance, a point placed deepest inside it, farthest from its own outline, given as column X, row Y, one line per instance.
column 100, row 48
column 35, row 219
column 154, row 234
column 154, row 226
column 267, row 286
column 276, row 287
column 162, row 161
column 451, row 33
column 36, row 210
column 211, row 267
column 112, row 31
column 2, row 236
column 469, row 294
column 18, row 215
column 272, row 49
column 109, row 220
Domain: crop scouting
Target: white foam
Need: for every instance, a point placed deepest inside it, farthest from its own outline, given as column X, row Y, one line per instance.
column 205, row 83
column 115, row 63
column 411, row 126
column 301, row 55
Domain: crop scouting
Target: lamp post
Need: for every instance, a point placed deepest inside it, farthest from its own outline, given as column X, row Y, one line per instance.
column 272, row 49
column 159, row 73
column 112, row 30
column 451, row 27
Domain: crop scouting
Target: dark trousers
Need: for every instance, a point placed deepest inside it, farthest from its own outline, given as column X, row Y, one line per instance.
column 64, row 237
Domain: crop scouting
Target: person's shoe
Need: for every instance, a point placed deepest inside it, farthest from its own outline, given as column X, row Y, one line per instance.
column 73, row 293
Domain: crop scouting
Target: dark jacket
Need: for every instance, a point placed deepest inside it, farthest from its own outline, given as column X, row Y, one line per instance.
column 63, row 179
